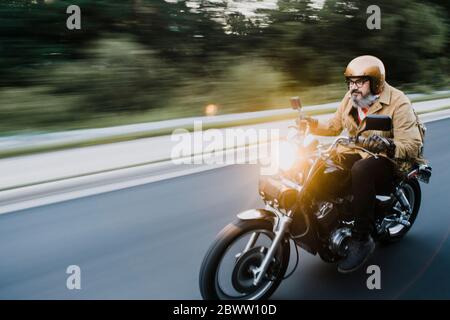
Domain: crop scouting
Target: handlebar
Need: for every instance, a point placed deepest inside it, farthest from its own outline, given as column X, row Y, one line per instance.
column 352, row 142
column 360, row 141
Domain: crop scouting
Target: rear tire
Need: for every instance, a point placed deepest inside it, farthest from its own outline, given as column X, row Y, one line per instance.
column 411, row 189
column 209, row 287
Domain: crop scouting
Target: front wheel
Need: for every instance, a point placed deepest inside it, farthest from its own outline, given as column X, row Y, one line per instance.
column 226, row 271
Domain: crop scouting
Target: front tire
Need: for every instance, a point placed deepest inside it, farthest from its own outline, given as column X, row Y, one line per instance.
column 209, row 280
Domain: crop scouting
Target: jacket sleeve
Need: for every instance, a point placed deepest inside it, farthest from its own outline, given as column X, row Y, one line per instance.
column 407, row 137
column 333, row 126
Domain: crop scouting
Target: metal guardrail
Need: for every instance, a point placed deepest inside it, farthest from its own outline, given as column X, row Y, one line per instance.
column 76, row 138
column 24, row 189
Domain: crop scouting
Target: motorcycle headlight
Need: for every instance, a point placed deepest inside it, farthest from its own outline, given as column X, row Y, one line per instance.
column 310, row 142
column 276, row 192
column 287, row 155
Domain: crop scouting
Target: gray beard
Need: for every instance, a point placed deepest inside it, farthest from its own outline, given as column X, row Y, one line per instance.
column 365, row 101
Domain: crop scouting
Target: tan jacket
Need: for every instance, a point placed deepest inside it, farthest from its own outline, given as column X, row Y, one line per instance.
column 392, row 102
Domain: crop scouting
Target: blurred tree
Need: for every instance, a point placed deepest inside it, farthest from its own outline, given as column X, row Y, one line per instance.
column 411, row 34
column 186, row 36
column 140, row 55
column 34, row 33
column 293, row 41
column 315, row 45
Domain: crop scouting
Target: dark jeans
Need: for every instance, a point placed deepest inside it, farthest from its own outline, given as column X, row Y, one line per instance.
column 369, row 177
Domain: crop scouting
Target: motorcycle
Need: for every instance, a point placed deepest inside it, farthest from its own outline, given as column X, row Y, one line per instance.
column 307, row 202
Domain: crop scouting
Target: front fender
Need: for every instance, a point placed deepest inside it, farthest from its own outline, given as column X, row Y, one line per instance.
column 256, row 214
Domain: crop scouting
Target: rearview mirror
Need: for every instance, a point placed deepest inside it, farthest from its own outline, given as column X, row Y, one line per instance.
column 378, row 122
column 295, row 103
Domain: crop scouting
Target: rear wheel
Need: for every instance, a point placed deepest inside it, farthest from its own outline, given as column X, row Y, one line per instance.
column 226, row 271
column 397, row 231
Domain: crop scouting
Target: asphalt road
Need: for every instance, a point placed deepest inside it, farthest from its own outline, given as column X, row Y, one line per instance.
column 147, row 242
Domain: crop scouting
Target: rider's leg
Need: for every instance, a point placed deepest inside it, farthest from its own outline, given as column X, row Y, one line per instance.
column 369, row 177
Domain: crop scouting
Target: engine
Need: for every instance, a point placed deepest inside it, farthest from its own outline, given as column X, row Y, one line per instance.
column 339, row 240
column 330, row 228
column 327, row 217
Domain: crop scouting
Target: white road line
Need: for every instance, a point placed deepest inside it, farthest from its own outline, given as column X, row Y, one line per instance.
column 71, row 195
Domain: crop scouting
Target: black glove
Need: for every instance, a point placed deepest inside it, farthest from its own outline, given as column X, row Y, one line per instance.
column 377, row 144
column 301, row 122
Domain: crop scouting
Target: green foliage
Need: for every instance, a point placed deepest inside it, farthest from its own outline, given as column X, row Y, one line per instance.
column 156, row 59
column 118, row 75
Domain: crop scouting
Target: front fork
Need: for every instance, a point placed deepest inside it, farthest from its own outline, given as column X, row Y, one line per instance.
column 281, row 226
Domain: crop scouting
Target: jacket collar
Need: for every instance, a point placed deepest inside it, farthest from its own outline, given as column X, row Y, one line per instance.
column 375, row 107
column 385, row 96
column 385, row 99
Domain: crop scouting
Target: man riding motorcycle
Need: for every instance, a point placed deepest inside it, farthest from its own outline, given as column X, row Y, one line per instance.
column 369, row 93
